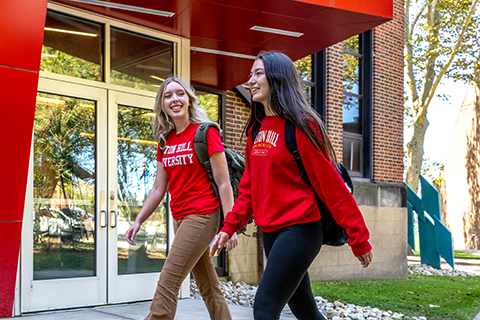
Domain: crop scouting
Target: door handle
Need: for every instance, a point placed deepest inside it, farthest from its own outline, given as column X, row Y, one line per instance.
column 103, row 212
column 113, row 212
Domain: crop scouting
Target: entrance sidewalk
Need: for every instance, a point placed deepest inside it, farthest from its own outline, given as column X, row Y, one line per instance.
column 188, row 309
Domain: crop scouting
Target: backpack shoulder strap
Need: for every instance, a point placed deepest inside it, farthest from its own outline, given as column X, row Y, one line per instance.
column 291, row 143
column 201, row 149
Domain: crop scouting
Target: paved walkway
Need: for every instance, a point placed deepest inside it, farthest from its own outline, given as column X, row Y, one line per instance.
column 188, row 309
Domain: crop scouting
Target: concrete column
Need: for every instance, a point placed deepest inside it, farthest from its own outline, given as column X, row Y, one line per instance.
column 21, row 29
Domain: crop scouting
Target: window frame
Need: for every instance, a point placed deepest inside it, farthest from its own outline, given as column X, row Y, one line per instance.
column 221, row 269
column 319, row 98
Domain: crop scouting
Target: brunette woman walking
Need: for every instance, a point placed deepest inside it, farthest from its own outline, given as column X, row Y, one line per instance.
column 283, row 205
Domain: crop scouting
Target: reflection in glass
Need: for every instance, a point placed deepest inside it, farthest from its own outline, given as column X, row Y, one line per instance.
column 351, row 73
column 136, row 156
column 351, row 114
column 210, row 102
column 64, row 187
column 307, row 89
column 352, row 150
column 352, row 44
column 72, row 47
column 138, row 61
column 352, row 104
column 304, row 68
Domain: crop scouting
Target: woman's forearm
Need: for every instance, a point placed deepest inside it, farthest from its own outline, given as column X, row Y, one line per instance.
column 226, row 197
column 152, row 202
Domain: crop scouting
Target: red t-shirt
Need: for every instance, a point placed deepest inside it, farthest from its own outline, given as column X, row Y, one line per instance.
column 272, row 190
column 190, row 188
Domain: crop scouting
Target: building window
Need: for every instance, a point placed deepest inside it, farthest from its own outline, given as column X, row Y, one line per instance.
column 139, row 61
column 72, row 47
column 213, row 102
column 307, row 78
column 357, row 99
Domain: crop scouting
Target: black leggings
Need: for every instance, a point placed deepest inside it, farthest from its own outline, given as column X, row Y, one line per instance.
column 290, row 251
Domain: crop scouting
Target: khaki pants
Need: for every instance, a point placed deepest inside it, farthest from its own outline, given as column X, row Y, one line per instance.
column 190, row 253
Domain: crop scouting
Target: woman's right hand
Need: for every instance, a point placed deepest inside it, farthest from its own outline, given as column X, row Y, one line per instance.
column 131, row 232
column 366, row 259
column 219, row 242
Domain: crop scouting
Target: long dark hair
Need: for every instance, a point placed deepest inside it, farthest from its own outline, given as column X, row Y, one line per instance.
column 287, row 100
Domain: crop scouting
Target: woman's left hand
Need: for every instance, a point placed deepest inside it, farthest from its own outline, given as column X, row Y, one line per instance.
column 366, row 258
column 232, row 243
column 219, row 242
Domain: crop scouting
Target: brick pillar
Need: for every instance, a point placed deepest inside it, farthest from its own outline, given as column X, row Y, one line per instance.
column 388, row 46
column 334, row 110
column 236, row 118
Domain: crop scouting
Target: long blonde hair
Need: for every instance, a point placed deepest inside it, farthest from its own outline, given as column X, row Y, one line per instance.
column 162, row 123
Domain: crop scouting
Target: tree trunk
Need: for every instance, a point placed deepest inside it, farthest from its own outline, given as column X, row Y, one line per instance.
column 415, row 151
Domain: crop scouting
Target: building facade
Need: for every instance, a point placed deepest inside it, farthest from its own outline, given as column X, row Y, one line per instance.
column 82, row 75
column 372, row 150
column 459, row 185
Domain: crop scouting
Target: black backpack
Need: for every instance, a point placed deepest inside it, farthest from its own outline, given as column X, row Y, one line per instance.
column 235, row 161
column 333, row 233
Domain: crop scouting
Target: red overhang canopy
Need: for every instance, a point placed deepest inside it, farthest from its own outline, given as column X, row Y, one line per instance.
column 221, row 35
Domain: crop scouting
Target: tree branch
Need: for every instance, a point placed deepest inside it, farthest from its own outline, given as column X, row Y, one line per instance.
column 412, row 83
column 417, row 17
column 433, row 18
column 454, row 53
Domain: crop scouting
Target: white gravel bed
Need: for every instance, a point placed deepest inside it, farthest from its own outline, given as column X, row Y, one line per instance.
column 423, row 269
column 243, row 294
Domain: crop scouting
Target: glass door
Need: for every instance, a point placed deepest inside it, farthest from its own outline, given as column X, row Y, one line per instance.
column 133, row 270
column 65, row 228
column 93, row 164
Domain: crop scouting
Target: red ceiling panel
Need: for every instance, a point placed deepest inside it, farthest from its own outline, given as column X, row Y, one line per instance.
column 225, row 26
column 236, row 70
column 326, row 3
column 327, row 33
column 286, row 8
column 212, row 68
column 378, row 8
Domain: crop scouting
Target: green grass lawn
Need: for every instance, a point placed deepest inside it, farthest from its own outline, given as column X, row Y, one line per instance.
column 434, row 297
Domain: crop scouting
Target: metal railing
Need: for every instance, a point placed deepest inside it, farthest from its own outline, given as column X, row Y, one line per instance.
column 435, row 239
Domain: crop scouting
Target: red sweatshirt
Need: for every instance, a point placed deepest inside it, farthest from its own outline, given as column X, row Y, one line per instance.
column 272, row 190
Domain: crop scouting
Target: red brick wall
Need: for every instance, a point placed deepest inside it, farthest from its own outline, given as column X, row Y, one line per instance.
column 237, row 113
column 387, row 102
column 334, row 109
column 388, row 98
